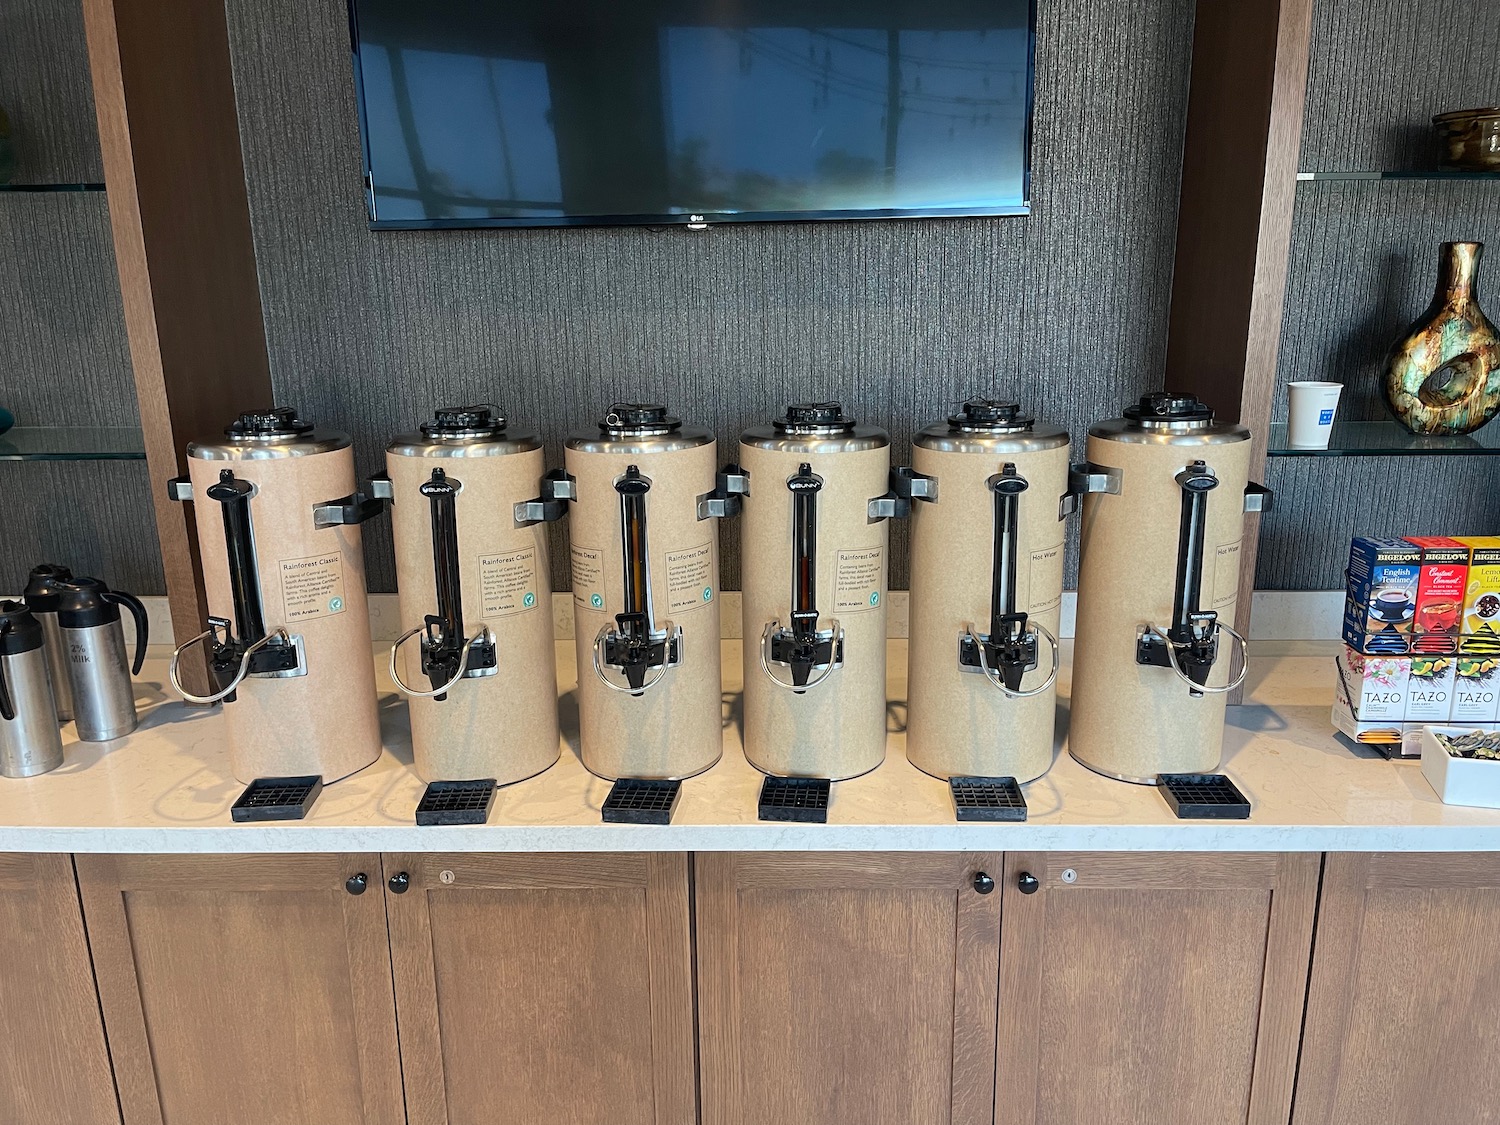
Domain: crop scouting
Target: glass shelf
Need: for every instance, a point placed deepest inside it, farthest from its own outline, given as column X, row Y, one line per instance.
column 72, row 443
column 1386, row 439
column 1430, row 174
column 50, row 187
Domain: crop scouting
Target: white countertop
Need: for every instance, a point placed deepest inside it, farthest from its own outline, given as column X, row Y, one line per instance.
column 167, row 788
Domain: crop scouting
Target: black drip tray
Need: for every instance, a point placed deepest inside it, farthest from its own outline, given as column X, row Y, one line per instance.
column 803, row 799
column 1203, row 796
column 456, row 802
column 987, row 798
column 276, row 798
column 635, row 800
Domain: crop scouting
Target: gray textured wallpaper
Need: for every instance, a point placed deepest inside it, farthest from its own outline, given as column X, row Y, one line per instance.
column 1363, row 265
column 45, row 89
column 1066, row 309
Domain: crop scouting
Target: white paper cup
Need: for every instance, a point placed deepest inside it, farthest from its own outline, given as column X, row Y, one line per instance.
column 1310, row 413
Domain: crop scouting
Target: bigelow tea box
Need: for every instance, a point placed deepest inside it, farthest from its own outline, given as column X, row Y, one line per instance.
column 1378, row 612
column 1442, row 581
column 1481, row 616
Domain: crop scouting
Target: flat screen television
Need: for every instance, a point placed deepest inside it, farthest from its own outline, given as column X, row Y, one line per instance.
column 599, row 112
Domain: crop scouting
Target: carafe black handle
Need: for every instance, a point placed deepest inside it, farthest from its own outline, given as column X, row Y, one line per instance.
column 7, row 708
column 142, row 625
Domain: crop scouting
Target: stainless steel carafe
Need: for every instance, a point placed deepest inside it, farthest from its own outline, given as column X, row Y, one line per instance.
column 476, row 658
column 41, row 599
column 30, row 742
column 1156, row 653
column 284, row 576
column 645, row 555
column 814, row 540
column 986, row 593
column 99, row 672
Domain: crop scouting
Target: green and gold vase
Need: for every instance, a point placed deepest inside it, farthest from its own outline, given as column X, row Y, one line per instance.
column 1443, row 376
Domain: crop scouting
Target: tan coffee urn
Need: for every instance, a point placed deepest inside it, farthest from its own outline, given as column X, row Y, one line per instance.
column 284, row 574
column 1156, row 652
column 813, row 565
column 645, row 561
column 472, row 568
column 986, row 593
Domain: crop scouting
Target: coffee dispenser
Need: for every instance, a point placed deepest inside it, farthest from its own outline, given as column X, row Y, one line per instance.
column 1156, row 651
column 814, row 543
column 30, row 742
column 472, row 567
column 284, row 574
column 645, row 560
column 99, row 673
column 986, row 593
column 41, row 599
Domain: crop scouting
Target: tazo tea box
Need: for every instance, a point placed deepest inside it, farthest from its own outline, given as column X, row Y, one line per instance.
column 1480, row 635
column 1429, row 692
column 1441, row 586
column 1377, row 686
column 1378, row 612
column 1476, row 688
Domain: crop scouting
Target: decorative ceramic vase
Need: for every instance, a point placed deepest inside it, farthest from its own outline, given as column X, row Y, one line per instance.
column 1443, row 376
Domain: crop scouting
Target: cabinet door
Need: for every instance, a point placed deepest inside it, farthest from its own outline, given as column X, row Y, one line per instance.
column 1403, row 1014
column 54, row 1067
column 846, row 988
column 1152, row 987
column 245, row 990
column 544, row 988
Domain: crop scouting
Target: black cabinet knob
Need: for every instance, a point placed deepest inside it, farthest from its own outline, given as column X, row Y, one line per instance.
column 399, row 882
column 1028, row 883
column 356, row 884
column 983, row 883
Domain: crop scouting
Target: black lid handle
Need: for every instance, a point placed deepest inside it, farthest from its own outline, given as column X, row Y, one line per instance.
column 142, row 624
column 7, row 708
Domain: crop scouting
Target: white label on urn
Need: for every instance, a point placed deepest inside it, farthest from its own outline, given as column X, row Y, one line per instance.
column 1044, row 576
column 313, row 587
column 861, row 580
column 588, row 577
column 507, row 583
column 690, row 578
column 1226, row 573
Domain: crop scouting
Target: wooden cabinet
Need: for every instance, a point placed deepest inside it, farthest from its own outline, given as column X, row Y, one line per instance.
column 1152, row 987
column 245, row 990
column 846, row 987
column 539, row 989
column 1403, row 1012
column 54, row 1066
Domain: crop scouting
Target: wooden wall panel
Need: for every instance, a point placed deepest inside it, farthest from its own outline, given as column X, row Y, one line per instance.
column 44, row 87
column 1066, row 309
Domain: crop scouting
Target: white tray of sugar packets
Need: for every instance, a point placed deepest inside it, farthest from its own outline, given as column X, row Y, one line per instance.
column 1462, row 765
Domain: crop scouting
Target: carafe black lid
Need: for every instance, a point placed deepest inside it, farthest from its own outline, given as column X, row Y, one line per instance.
column 815, row 417
column 19, row 630
column 271, row 424
column 1167, row 407
column 990, row 415
column 484, row 420
column 82, row 604
column 638, row 418
column 42, row 589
